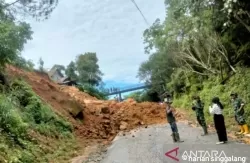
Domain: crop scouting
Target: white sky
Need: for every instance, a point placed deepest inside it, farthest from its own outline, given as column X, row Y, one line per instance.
column 111, row 28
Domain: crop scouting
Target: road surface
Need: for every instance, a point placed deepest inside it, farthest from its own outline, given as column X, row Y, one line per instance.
column 149, row 145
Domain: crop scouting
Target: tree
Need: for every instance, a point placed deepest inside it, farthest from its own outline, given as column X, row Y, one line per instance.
column 71, row 71
column 60, row 67
column 40, row 9
column 14, row 33
column 88, row 69
column 13, row 36
column 41, row 64
column 134, row 95
column 194, row 37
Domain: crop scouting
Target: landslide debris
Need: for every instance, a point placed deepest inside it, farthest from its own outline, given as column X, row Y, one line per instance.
column 99, row 119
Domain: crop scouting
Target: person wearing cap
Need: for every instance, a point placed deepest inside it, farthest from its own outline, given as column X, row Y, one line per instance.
column 171, row 119
column 216, row 110
column 198, row 107
column 238, row 106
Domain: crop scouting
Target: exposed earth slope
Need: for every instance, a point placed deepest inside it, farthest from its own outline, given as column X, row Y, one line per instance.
column 94, row 120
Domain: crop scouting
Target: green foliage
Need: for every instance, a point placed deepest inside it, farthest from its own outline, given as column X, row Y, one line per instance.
column 200, row 45
column 22, row 63
column 59, row 67
column 92, row 91
column 134, row 95
column 35, row 111
column 40, row 9
column 13, row 36
column 194, row 37
column 85, row 70
column 212, row 88
column 71, row 71
column 11, row 121
column 22, row 112
column 142, row 96
column 88, row 69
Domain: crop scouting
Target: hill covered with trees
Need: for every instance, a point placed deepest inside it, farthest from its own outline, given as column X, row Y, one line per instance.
column 202, row 47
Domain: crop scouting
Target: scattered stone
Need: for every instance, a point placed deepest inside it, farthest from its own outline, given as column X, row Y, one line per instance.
column 133, row 136
column 106, row 121
column 141, row 123
column 104, row 150
column 248, row 135
column 123, row 125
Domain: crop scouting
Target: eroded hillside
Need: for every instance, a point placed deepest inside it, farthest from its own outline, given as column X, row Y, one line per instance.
column 100, row 119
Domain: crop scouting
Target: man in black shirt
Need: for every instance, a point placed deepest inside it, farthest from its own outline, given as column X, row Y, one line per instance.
column 171, row 120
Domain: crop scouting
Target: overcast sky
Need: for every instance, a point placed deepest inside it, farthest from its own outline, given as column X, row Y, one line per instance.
column 111, row 28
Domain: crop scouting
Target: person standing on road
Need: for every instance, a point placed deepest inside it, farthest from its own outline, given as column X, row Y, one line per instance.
column 198, row 107
column 171, row 120
column 219, row 123
column 238, row 106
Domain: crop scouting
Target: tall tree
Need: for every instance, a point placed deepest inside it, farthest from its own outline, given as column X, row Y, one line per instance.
column 204, row 37
column 88, row 69
column 71, row 71
column 60, row 67
column 13, row 36
column 15, row 33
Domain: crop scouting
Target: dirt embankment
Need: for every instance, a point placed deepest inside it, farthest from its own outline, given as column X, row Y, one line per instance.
column 101, row 119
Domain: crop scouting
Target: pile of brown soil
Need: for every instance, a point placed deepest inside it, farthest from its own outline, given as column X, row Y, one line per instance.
column 101, row 119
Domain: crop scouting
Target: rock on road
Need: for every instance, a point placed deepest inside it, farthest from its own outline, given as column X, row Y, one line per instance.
column 149, row 145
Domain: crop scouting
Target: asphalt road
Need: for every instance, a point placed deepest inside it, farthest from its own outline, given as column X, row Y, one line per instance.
column 149, row 145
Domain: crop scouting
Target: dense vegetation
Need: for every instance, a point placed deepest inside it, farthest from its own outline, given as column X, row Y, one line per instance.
column 93, row 91
column 85, row 71
column 26, row 123
column 29, row 130
column 202, row 47
column 141, row 96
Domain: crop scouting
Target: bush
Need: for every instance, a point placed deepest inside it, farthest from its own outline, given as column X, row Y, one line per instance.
column 142, row 96
column 22, row 63
column 92, row 91
column 36, row 112
column 21, row 113
column 10, row 120
column 211, row 87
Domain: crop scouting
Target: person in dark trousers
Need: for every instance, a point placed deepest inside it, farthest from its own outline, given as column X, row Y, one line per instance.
column 216, row 109
column 198, row 107
column 171, row 120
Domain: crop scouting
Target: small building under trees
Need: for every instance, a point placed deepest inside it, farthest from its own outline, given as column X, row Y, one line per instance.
column 57, row 76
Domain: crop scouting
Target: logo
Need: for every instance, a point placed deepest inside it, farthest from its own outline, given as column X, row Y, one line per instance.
column 175, row 150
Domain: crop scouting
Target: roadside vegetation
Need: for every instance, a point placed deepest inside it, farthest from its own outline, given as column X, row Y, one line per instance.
column 30, row 130
column 141, row 96
column 201, row 48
